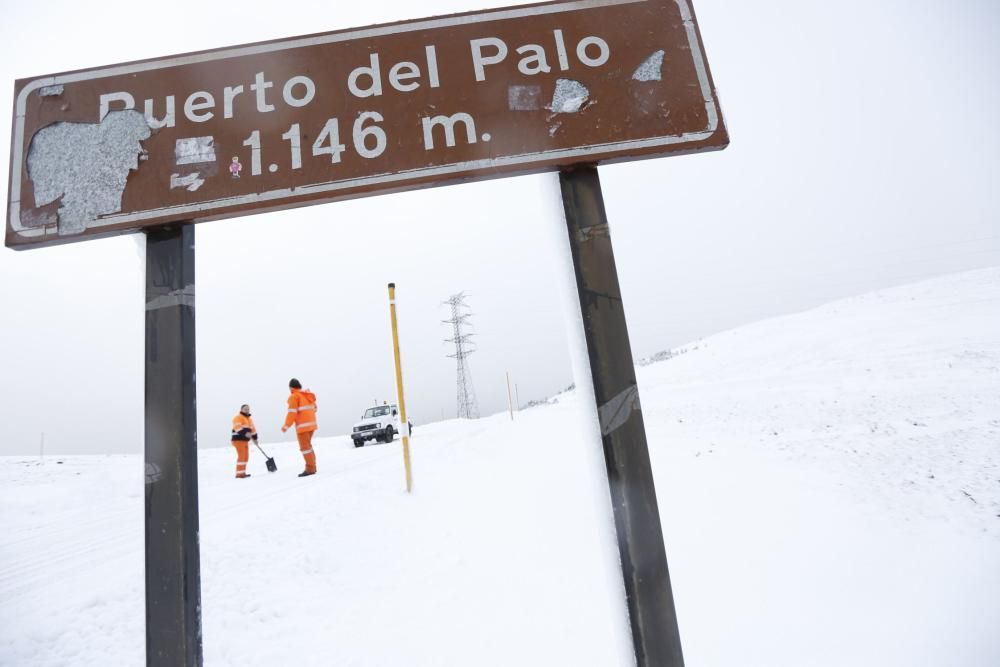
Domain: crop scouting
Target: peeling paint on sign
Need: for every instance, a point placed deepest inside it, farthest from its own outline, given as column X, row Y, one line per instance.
column 191, row 182
column 524, row 98
column 569, row 96
column 85, row 166
column 651, row 68
column 41, row 216
column 193, row 150
column 524, row 89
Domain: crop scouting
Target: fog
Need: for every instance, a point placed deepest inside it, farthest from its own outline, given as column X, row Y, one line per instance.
column 864, row 154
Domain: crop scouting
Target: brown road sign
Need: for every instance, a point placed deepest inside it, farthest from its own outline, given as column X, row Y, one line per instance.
column 345, row 114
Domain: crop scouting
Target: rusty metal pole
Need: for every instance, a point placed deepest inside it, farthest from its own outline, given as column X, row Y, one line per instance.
column 173, row 569
column 652, row 616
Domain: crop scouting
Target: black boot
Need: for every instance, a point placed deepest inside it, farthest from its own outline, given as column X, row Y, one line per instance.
column 306, row 473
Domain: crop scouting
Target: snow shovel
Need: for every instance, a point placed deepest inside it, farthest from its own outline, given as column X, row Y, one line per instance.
column 271, row 465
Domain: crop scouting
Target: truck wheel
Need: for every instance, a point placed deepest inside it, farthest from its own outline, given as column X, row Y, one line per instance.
column 389, row 435
column 358, row 443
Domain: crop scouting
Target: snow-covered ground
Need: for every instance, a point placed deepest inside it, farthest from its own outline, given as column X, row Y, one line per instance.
column 829, row 482
column 829, row 485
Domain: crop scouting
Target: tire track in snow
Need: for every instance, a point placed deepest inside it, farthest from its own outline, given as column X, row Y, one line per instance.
column 44, row 533
column 35, row 573
column 47, row 570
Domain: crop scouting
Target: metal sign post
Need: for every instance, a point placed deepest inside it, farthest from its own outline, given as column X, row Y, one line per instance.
column 655, row 635
column 173, row 570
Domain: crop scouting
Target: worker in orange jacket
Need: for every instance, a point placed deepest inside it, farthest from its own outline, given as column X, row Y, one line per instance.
column 302, row 413
column 243, row 432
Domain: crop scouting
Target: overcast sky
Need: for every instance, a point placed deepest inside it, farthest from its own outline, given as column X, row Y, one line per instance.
column 864, row 154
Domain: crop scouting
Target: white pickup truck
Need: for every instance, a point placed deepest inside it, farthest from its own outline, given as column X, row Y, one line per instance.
column 380, row 423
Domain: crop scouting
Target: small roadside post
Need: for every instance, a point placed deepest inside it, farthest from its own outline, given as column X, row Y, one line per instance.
column 510, row 404
column 404, row 425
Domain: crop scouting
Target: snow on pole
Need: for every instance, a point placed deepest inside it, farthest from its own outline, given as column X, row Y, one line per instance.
column 652, row 613
column 591, row 445
column 404, row 424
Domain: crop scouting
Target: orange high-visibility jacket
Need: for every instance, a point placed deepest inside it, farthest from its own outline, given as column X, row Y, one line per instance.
column 301, row 411
column 243, row 428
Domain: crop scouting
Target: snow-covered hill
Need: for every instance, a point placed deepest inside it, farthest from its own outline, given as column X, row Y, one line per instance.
column 829, row 484
column 895, row 395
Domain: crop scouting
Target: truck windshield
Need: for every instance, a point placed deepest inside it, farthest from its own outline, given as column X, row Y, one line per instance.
column 380, row 411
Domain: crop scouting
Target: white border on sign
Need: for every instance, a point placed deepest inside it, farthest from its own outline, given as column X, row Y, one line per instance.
column 593, row 150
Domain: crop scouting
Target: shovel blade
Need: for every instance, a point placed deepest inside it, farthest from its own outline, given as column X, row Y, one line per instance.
column 271, row 465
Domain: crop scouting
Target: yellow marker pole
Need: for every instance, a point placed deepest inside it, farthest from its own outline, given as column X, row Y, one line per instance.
column 404, row 424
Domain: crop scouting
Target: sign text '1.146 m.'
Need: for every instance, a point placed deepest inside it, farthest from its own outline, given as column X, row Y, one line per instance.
column 351, row 113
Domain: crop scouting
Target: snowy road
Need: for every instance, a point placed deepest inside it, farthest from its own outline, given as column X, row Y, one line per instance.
column 343, row 568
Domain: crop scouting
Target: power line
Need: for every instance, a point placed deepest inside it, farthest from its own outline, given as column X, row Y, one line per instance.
column 466, row 392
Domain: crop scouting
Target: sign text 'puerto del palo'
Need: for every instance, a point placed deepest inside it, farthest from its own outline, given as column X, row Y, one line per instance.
column 344, row 114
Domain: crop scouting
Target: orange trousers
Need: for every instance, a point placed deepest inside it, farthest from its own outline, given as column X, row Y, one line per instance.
column 305, row 446
column 242, row 456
